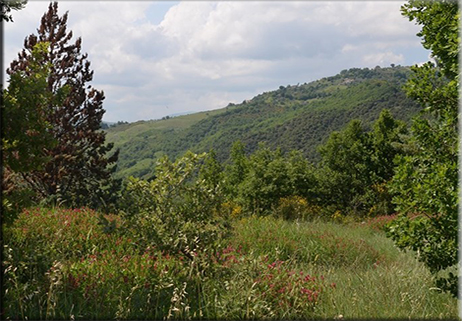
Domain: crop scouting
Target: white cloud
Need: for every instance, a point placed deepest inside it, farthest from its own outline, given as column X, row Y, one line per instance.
column 202, row 55
column 384, row 58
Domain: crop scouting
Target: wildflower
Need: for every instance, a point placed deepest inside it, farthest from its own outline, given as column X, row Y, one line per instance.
column 306, row 291
column 309, row 278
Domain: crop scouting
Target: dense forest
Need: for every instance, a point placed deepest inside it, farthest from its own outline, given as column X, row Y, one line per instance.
column 335, row 199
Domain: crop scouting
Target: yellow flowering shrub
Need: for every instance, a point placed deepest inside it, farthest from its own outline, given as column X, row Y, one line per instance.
column 296, row 207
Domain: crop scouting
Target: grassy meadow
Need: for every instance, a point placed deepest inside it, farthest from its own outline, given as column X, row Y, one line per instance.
column 78, row 264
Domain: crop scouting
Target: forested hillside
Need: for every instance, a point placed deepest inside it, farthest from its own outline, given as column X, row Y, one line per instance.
column 294, row 117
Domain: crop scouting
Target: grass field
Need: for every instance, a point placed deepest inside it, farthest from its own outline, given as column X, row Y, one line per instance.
column 63, row 264
column 123, row 133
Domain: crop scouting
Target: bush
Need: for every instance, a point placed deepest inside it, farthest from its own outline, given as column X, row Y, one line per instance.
column 176, row 212
column 296, row 207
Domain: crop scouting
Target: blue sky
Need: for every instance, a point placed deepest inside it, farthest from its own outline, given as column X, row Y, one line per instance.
column 156, row 58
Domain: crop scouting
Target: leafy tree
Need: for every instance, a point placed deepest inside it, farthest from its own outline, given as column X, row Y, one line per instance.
column 267, row 180
column 426, row 182
column 272, row 175
column 78, row 173
column 8, row 5
column 26, row 131
column 211, row 171
column 357, row 165
column 387, row 140
column 237, row 169
column 346, row 162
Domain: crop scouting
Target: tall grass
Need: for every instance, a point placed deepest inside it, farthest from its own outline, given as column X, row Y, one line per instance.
column 64, row 264
column 371, row 278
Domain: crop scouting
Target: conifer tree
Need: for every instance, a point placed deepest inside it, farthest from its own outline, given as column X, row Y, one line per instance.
column 79, row 170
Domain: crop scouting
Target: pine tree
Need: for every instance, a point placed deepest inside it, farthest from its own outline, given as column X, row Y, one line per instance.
column 79, row 172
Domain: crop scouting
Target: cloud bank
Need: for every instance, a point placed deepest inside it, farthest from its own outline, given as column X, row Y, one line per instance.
column 153, row 59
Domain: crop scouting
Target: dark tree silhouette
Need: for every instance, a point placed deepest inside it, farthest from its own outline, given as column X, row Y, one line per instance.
column 8, row 5
column 79, row 172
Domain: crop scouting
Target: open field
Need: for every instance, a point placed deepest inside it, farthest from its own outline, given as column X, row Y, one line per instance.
column 64, row 264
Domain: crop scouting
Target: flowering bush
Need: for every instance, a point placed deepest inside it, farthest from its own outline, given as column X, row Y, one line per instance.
column 257, row 287
column 296, row 207
column 232, row 210
column 37, row 245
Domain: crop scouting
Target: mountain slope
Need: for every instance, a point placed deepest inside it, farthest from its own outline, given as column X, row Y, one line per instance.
column 293, row 117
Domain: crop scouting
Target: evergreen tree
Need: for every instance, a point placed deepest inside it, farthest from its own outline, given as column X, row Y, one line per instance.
column 79, row 170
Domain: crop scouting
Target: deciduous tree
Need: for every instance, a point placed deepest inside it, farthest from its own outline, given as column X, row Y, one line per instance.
column 79, row 170
column 26, row 132
column 426, row 183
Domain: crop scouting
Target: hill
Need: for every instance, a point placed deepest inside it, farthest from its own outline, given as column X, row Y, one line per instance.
column 293, row 117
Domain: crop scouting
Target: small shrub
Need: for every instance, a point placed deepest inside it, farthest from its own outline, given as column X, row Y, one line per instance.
column 232, row 210
column 296, row 207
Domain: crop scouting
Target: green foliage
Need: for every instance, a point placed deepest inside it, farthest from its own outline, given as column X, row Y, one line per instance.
column 212, row 172
column 426, row 182
column 8, row 5
column 238, row 169
column 26, row 129
column 260, row 181
column 440, row 31
column 357, row 165
column 348, row 155
column 176, row 212
column 24, row 114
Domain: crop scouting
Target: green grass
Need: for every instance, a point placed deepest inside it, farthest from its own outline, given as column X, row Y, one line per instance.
column 372, row 278
column 62, row 264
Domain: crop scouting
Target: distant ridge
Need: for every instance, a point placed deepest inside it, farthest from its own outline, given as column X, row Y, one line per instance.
column 181, row 114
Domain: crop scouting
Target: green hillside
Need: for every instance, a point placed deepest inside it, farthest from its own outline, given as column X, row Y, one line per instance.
column 293, row 117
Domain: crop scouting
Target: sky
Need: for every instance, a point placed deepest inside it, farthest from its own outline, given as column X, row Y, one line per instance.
column 159, row 58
